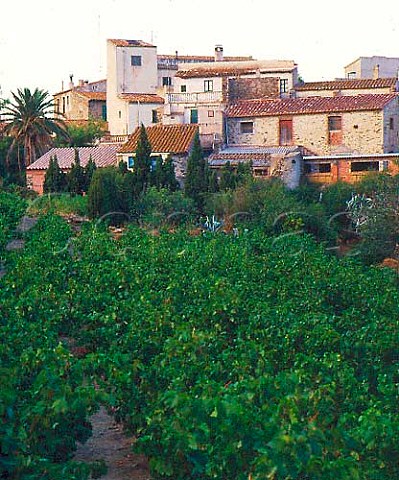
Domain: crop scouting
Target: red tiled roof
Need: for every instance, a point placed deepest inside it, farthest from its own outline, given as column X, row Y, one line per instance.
column 164, row 139
column 103, row 156
column 309, row 105
column 354, row 84
column 224, row 69
column 94, row 95
column 141, row 97
column 258, row 155
column 129, row 43
column 202, row 58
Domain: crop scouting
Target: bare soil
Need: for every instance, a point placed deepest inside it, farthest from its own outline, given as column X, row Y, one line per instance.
column 109, row 443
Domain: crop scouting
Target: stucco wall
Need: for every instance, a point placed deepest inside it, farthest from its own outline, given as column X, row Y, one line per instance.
column 362, row 132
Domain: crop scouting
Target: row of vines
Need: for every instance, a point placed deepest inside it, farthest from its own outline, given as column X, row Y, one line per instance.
column 228, row 357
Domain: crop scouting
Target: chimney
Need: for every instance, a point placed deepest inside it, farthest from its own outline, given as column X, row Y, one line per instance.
column 71, row 81
column 81, row 83
column 376, row 72
column 218, row 53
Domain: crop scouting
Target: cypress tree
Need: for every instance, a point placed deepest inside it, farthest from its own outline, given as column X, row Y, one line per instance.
column 213, row 181
column 228, row 177
column 54, row 180
column 169, row 175
column 103, row 195
column 142, row 164
column 76, row 176
column 196, row 177
column 89, row 172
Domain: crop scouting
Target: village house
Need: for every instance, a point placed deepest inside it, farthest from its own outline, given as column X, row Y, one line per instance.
column 81, row 102
column 173, row 141
column 373, row 67
column 363, row 126
column 168, row 65
column 102, row 155
column 202, row 91
column 334, row 88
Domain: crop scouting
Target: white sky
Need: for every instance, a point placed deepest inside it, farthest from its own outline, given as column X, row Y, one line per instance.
column 43, row 41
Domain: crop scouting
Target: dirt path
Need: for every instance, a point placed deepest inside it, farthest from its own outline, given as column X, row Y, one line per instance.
column 110, row 444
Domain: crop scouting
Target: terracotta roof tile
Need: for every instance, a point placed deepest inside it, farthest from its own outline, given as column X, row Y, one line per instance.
column 164, row 139
column 354, row 84
column 141, row 97
column 103, row 156
column 129, row 43
column 94, row 95
column 258, row 155
column 309, row 105
column 224, row 69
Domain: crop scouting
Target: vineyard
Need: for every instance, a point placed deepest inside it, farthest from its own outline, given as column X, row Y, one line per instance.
column 227, row 357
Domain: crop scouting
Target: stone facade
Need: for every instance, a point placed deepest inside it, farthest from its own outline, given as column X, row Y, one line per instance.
column 362, row 132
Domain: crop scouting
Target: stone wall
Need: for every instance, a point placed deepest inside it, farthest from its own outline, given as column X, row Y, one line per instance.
column 250, row 88
column 362, row 132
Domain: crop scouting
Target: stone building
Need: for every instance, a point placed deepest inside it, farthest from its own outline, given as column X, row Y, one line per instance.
column 323, row 125
column 373, row 67
column 82, row 101
column 202, row 91
column 335, row 88
column 347, row 131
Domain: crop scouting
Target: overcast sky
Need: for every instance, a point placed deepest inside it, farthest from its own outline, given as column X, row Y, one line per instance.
column 43, row 41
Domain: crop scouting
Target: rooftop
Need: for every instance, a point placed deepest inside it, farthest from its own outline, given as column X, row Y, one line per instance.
column 129, row 43
column 353, row 84
column 141, row 97
column 103, row 156
column 309, row 105
column 225, row 69
column 164, row 139
column 258, row 155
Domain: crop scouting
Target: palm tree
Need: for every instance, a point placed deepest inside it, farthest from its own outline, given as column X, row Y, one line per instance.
column 30, row 124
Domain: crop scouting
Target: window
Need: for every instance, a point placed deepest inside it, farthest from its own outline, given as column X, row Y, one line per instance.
column 351, row 75
column 120, row 114
column 208, row 85
column 166, row 81
column 194, row 116
column 317, row 167
column 68, row 100
column 183, row 88
column 104, row 112
column 211, row 113
column 153, row 165
column 135, row 60
column 334, row 123
column 283, row 85
column 154, row 116
column 391, row 123
column 285, row 132
column 63, row 104
column 130, row 162
column 365, row 166
column 247, row 127
column 385, row 165
column 335, row 130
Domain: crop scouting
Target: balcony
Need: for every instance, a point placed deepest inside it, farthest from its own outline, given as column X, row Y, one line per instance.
column 200, row 97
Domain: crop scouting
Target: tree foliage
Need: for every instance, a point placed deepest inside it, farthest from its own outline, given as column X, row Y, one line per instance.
column 55, row 179
column 196, row 185
column 30, row 124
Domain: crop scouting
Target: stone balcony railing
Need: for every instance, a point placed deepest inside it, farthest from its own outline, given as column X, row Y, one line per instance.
column 112, row 139
column 200, row 97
